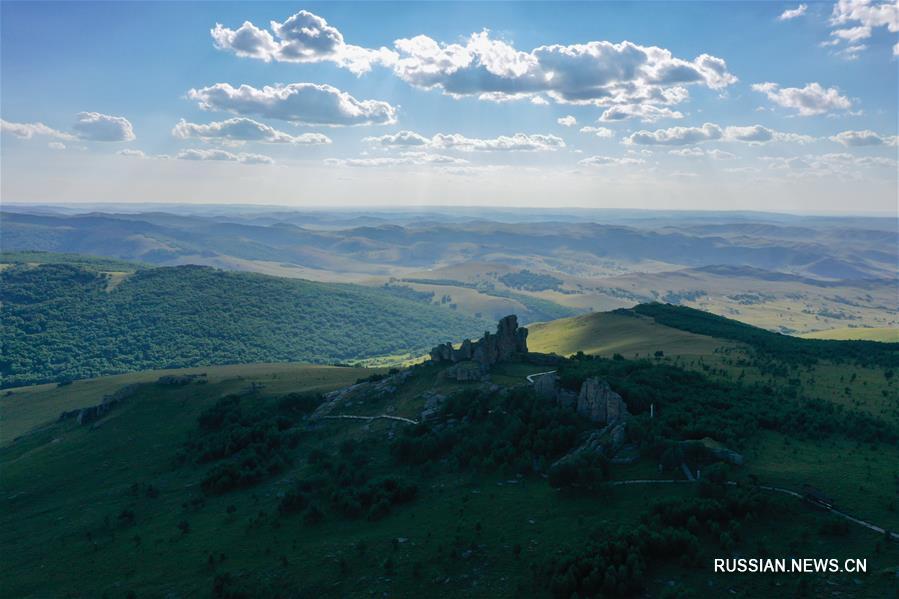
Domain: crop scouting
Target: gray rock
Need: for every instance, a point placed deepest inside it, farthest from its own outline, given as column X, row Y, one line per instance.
column 509, row 340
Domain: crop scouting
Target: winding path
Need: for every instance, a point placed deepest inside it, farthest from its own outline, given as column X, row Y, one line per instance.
column 530, row 377
column 368, row 418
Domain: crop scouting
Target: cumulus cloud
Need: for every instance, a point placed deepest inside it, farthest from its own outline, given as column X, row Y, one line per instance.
column 93, row 126
column 29, row 130
column 700, row 153
column 813, row 99
column 855, row 20
column 676, row 136
column 403, row 138
column 132, row 153
column 601, row 132
column 519, row 142
column 303, row 37
column 223, row 155
column 863, row 138
column 759, row 134
column 792, row 13
column 404, row 159
column 56, row 145
column 684, row 136
column 601, row 73
column 302, row 103
column 647, row 113
column 239, row 130
column 610, row 161
column 567, row 121
column 840, row 165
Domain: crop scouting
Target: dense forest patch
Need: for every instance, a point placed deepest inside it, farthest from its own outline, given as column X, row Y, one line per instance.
column 63, row 322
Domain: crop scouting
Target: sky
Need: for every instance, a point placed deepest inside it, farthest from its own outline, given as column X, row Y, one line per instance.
column 776, row 106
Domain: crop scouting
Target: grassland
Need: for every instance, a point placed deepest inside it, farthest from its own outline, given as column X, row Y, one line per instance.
column 608, row 333
column 24, row 408
column 884, row 334
column 466, row 534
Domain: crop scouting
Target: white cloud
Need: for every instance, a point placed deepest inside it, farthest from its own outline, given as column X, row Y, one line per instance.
column 567, row 121
column 855, row 20
column 404, row 159
column 600, row 72
column 896, row 49
column 714, row 154
column 93, row 126
column 841, row 165
column 222, row 155
column 676, row 136
column 610, row 161
column 793, row 13
column 402, row 138
column 597, row 72
column 539, row 101
column 813, row 99
column 304, row 37
column 758, row 134
column 56, row 145
column 683, row 136
column 303, row 103
column 519, row 142
column 863, row 138
column 852, row 34
column 238, row 130
column 132, row 153
column 647, row 113
column 29, row 130
column 601, row 132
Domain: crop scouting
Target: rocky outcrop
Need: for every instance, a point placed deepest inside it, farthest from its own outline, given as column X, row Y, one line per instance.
column 596, row 401
column 94, row 413
column 466, row 372
column 509, row 340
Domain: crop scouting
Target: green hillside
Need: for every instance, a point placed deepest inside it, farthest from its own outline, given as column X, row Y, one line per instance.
column 62, row 321
column 228, row 487
column 882, row 334
column 608, row 333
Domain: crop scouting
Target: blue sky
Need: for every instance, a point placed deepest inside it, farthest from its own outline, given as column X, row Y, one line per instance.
column 745, row 105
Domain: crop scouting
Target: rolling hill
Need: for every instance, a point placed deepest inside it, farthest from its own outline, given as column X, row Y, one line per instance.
column 64, row 321
column 247, row 482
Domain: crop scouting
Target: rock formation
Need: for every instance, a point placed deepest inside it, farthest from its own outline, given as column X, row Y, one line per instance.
column 509, row 339
column 596, row 401
column 94, row 413
column 599, row 403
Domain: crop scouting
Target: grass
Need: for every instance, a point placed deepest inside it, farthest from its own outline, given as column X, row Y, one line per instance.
column 25, row 408
column 64, row 486
column 884, row 334
column 607, row 333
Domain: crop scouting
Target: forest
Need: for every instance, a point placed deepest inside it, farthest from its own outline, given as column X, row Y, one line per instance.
column 62, row 322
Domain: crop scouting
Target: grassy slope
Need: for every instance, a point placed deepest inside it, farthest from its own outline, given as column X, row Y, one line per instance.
column 24, row 408
column 862, row 478
column 94, row 554
column 606, row 333
column 884, row 334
